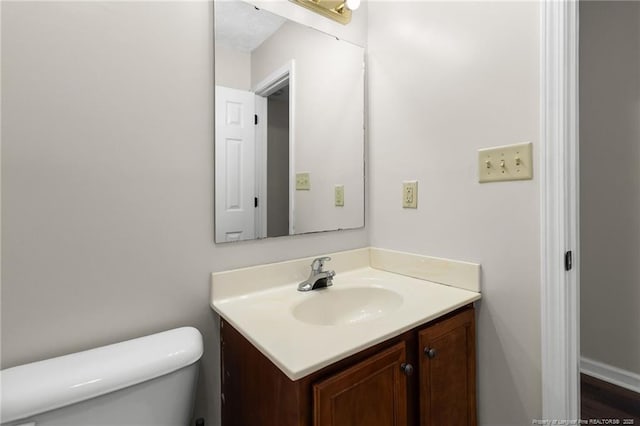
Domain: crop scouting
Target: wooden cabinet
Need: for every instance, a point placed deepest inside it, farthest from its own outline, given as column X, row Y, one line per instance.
column 372, row 392
column 448, row 372
column 394, row 383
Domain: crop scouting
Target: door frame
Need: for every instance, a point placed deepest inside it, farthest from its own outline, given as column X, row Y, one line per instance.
column 260, row 185
column 276, row 80
column 559, row 209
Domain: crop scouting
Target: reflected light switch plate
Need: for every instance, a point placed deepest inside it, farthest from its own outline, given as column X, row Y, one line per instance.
column 303, row 182
column 339, row 195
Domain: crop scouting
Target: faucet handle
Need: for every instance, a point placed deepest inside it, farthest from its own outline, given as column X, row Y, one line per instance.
column 318, row 263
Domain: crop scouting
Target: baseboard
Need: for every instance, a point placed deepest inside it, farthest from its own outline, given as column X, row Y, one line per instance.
column 614, row 375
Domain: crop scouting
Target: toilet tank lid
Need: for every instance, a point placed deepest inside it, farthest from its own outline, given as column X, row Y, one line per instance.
column 42, row 386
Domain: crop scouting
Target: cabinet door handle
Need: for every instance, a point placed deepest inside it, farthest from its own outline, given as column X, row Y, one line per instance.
column 406, row 368
column 430, row 352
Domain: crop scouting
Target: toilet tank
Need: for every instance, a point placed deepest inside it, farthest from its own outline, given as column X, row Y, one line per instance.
column 145, row 381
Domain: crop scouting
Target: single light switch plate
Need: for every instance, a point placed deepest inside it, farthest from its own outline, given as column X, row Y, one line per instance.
column 509, row 162
column 339, row 195
column 303, row 182
column 410, row 194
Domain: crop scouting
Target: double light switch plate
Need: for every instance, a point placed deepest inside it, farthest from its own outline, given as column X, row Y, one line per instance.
column 508, row 162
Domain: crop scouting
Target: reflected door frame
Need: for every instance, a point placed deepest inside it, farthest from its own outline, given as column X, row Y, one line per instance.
column 281, row 77
column 262, row 114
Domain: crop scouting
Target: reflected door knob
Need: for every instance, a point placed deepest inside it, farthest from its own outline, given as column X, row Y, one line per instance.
column 406, row 368
column 430, row 352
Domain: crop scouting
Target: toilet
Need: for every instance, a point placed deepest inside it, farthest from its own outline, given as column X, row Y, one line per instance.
column 145, row 381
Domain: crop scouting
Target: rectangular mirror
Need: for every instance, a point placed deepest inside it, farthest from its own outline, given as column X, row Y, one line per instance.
column 289, row 127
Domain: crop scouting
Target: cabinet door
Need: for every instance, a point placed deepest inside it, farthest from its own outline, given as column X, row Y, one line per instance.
column 448, row 372
column 371, row 393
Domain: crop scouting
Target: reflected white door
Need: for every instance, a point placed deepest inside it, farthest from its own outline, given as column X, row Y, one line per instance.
column 235, row 165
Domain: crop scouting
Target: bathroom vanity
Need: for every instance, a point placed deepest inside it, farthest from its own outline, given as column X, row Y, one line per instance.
column 385, row 345
column 425, row 376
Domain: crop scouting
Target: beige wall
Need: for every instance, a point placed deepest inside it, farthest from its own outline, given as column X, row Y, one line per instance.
column 610, row 183
column 329, row 134
column 107, row 180
column 232, row 68
column 444, row 80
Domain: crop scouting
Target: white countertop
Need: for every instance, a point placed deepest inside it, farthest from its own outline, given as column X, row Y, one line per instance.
column 265, row 318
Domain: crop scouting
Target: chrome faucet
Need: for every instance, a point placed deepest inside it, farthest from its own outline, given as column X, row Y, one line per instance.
column 318, row 278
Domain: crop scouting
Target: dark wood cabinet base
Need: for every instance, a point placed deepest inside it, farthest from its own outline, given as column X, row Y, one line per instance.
column 384, row 385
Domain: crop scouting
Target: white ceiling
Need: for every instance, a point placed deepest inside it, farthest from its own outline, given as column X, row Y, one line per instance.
column 240, row 26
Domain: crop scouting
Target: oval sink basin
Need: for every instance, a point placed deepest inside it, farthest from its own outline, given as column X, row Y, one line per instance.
column 340, row 306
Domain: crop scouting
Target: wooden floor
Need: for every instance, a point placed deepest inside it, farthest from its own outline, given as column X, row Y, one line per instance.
column 603, row 401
